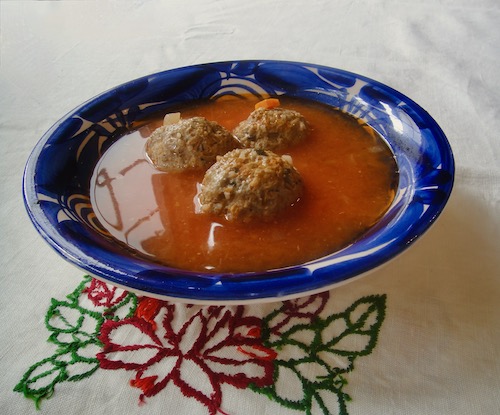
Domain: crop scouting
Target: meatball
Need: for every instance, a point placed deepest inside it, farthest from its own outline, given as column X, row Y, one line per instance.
column 247, row 184
column 271, row 129
column 191, row 143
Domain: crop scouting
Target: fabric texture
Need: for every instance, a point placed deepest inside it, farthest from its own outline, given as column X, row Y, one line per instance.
column 434, row 346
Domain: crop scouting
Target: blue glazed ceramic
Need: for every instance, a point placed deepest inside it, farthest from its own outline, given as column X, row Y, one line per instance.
column 57, row 176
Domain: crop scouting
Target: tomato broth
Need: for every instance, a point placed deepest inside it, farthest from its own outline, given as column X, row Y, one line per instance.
column 349, row 174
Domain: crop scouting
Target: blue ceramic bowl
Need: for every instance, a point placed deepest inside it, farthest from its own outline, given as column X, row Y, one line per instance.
column 58, row 172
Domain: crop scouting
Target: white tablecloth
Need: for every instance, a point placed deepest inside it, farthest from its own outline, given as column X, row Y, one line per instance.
column 434, row 310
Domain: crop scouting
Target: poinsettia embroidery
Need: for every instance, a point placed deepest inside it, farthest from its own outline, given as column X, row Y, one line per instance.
column 214, row 345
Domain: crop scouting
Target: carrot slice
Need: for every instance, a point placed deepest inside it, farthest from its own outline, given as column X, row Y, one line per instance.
column 268, row 103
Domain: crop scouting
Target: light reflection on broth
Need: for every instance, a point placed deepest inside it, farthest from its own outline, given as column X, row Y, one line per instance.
column 349, row 178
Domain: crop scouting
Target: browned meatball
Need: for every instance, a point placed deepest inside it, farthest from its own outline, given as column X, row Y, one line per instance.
column 192, row 143
column 247, row 184
column 271, row 129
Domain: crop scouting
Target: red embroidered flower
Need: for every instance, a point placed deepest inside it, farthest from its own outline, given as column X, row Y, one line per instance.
column 299, row 311
column 195, row 348
column 104, row 295
column 307, row 306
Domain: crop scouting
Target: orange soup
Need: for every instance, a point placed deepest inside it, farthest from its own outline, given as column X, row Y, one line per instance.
column 349, row 176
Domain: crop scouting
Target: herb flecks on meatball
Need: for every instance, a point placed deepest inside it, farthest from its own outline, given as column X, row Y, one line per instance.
column 271, row 129
column 192, row 143
column 248, row 184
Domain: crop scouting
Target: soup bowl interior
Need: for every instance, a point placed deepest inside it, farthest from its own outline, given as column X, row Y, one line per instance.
column 58, row 172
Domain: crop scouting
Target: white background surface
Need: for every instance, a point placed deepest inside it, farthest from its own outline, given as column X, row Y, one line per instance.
column 439, row 349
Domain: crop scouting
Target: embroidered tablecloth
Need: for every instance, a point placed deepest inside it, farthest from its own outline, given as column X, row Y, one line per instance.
column 419, row 336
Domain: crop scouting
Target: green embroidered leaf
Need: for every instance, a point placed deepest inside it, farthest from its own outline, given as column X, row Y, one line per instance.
column 61, row 316
column 40, row 379
column 328, row 402
column 364, row 313
column 288, row 389
column 71, row 324
column 361, row 322
column 288, row 386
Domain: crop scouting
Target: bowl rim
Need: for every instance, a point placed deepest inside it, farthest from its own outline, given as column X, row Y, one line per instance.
column 215, row 288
